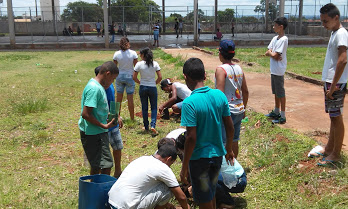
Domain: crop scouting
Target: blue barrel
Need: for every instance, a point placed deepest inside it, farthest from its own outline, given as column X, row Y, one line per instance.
column 93, row 191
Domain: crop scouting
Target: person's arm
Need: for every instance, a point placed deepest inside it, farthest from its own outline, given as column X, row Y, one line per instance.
column 135, row 77
column 245, row 92
column 341, row 64
column 229, row 128
column 180, row 197
column 116, row 63
column 171, row 100
column 190, row 143
column 87, row 115
column 135, row 61
column 274, row 55
column 220, row 76
column 159, row 76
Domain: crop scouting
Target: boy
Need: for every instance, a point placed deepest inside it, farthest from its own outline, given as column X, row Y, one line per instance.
column 202, row 114
column 277, row 53
column 148, row 182
column 93, row 121
column 114, row 132
column 230, row 79
column 335, row 75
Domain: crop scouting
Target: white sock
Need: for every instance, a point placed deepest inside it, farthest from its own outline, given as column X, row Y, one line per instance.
column 276, row 110
column 282, row 114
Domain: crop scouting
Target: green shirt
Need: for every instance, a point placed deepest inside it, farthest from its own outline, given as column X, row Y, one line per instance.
column 94, row 96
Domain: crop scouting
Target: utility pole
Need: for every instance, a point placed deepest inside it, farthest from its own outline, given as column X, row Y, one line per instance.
column 195, row 23
column 300, row 17
column 266, row 14
column 281, row 8
column 106, row 25
column 164, row 16
column 53, row 16
column 11, row 24
column 36, row 8
column 216, row 9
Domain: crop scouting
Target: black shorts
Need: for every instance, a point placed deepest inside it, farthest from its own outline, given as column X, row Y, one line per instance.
column 335, row 106
column 277, row 83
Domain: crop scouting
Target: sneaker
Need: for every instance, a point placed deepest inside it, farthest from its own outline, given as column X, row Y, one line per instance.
column 165, row 114
column 273, row 115
column 279, row 121
column 154, row 132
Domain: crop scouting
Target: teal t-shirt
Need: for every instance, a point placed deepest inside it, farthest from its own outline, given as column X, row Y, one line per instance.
column 94, row 96
column 204, row 110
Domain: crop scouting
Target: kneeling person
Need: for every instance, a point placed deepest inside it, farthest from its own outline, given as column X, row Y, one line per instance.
column 148, row 182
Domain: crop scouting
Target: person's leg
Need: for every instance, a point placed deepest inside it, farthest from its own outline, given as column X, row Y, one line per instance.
column 156, row 197
column 115, row 140
column 176, row 109
column 144, row 105
column 337, row 127
column 120, row 86
column 130, row 87
column 222, row 195
column 92, row 147
column 130, row 106
column 117, row 159
column 153, row 103
column 106, row 160
column 237, row 122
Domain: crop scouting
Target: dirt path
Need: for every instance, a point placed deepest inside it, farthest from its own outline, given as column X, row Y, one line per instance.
column 304, row 106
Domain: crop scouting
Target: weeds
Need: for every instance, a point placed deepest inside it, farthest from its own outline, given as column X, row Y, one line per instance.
column 30, row 105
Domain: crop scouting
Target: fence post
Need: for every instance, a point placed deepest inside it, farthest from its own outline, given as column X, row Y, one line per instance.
column 11, row 24
column 106, row 25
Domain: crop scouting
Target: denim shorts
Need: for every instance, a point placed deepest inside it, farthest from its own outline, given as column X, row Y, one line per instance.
column 277, row 83
column 155, row 35
column 125, row 81
column 179, row 105
column 204, row 174
column 237, row 121
column 115, row 139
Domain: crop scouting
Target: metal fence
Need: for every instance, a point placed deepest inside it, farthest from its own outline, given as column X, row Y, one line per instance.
column 42, row 21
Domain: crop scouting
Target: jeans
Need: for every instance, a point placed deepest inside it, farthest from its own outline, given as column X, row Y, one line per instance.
column 223, row 192
column 146, row 93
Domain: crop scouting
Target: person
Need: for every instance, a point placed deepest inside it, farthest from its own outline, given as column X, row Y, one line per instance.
column 120, row 31
column 277, row 53
column 177, row 93
column 335, row 75
column 148, row 182
column 203, row 146
column 155, row 34
column 98, row 27
column 160, row 27
column 177, row 137
column 93, row 123
column 148, row 70
column 78, row 31
column 70, row 31
column 114, row 134
column 124, row 29
column 180, row 26
column 126, row 59
column 112, row 32
column 218, row 35
column 230, row 79
column 176, row 27
column 232, row 29
column 199, row 29
column 65, row 32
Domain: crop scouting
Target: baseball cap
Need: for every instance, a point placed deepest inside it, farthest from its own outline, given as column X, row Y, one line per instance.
column 165, row 83
column 227, row 46
column 281, row 21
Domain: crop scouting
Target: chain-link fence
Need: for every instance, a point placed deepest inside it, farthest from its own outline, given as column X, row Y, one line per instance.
column 73, row 21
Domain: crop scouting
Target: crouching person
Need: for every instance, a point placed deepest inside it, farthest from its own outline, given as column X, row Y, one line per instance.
column 148, row 182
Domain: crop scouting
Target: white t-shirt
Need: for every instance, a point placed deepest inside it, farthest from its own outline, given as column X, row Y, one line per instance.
column 147, row 74
column 137, row 179
column 175, row 133
column 182, row 91
column 280, row 46
column 125, row 61
column 338, row 38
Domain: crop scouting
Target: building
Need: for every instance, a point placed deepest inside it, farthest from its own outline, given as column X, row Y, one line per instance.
column 46, row 10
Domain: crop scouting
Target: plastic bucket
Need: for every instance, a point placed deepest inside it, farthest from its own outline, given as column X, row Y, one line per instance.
column 93, row 191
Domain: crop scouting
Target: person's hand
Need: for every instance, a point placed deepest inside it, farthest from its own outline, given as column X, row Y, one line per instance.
column 120, row 122
column 169, row 206
column 184, row 175
column 110, row 124
column 160, row 109
column 230, row 158
column 329, row 93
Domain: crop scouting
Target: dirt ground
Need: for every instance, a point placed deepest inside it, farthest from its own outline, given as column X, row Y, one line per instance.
column 304, row 101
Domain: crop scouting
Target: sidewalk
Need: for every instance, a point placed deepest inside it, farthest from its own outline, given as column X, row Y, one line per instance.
column 304, row 106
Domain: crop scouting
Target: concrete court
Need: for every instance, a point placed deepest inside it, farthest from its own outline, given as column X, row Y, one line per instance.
column 166, row 41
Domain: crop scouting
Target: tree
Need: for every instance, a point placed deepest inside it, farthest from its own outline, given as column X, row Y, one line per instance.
column 272, row 9
column 226, row 16
column 201, row 16
column 248, row 19
column 91, row 12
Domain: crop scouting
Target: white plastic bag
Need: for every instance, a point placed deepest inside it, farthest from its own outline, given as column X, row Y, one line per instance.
column 228, row 173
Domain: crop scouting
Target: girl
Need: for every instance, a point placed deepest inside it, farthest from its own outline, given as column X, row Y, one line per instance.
column 147, row 90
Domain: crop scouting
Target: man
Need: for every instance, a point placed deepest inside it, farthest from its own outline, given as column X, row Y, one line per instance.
column 148, row 182
column 335, row 76
column 98, row 26
column 202, row 114
column 93, row 121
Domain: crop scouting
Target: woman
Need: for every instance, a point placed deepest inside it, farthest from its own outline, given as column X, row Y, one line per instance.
column 147, row 90
column 125, row 59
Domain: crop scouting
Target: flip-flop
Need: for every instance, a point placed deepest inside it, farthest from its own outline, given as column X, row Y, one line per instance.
column 316, row 154
column 328, row 163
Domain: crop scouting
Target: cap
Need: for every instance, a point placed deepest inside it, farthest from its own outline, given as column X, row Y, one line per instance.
column 165, row 83
column 227, row 46
column 281, row 21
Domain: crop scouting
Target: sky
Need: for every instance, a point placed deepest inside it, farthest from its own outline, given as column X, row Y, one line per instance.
column 206, row 5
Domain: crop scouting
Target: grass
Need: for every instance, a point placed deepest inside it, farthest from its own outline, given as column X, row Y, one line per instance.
column 303, row 61
column 42, row 157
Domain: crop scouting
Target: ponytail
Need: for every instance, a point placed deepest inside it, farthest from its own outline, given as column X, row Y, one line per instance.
column 148, row 56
